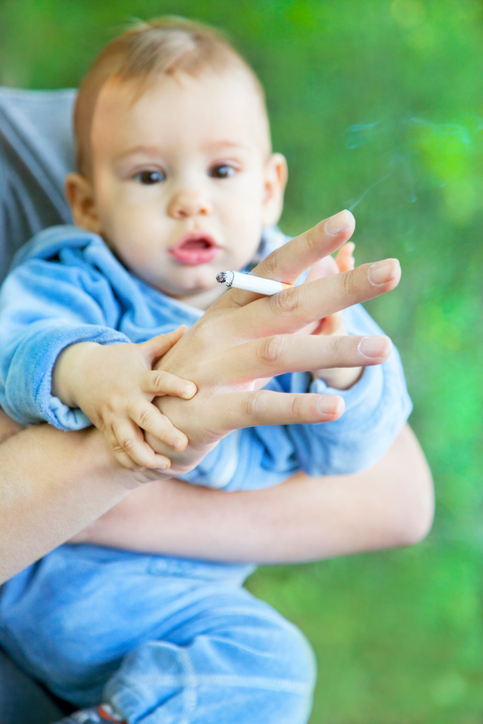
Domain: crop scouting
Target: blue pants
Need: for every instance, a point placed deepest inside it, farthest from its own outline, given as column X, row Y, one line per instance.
column 166, row 641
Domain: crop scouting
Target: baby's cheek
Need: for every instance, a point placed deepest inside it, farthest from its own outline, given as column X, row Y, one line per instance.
column 138, row 256
column 249, row 232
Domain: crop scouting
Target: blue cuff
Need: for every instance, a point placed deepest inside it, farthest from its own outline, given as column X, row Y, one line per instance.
column 28, row 395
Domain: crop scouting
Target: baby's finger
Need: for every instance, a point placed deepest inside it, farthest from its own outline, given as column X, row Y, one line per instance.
column 152, row 421
column 331, row 325
column 158, row 382
column 120, row 455
column 159, row 462
column 156, row 347
column 322, row 268
column 127, row 462
column 130, row 443
column 345, row 259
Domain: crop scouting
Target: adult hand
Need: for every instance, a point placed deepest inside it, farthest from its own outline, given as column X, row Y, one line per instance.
column 244, row 337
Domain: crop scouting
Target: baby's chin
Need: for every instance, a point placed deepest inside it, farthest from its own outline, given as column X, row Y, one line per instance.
column 200, row 297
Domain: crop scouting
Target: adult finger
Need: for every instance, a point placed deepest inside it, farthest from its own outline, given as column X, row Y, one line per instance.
column 287, row 263
column 264, row 407
column 288, row 353
column 294, row 308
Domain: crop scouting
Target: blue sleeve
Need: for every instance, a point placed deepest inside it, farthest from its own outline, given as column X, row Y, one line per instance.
column 45, row 307
column 376, row 408
column 244, row 461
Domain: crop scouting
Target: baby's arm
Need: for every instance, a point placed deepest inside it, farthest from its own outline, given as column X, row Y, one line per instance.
column 114, row 386
column 63, row 361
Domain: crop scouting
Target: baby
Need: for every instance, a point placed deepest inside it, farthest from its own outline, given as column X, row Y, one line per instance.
column 176, row 181
column 179, row 190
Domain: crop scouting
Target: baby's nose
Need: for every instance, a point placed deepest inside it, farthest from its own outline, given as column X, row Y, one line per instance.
column 187, row 203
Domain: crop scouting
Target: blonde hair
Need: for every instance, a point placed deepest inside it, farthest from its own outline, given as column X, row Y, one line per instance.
column 164, row 45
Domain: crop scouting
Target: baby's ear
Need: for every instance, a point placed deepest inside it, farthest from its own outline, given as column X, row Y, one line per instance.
column 79, row 193
column 276, row 174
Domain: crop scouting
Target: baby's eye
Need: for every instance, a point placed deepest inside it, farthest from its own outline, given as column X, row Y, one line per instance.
column 222, row 170
column 148, row 178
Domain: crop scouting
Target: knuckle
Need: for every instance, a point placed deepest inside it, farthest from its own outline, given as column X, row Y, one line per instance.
column 336, row 345
column 295, row 406
column 145, row 416
column 270, row 266
column 312, row 238
column 252, row 405
column 271, row 349
column 127, row 444
column 348, row 283
column 159, row 378
column 285, row 302
column 106, row 426
column 165, row 436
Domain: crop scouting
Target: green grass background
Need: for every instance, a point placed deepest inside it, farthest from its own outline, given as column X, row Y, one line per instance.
column 377, row 106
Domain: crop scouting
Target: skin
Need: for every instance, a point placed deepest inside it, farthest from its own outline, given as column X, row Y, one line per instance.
column 240, row 341
column 302, row 519
column 305, row 518
column 79, row 479
column 190, row 155
column 205, row 168
column 115, row 386
column 278, row 318
column 52, row 485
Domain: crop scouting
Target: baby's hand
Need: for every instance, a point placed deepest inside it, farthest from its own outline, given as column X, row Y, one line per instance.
column 343, row 377
column 114, row 385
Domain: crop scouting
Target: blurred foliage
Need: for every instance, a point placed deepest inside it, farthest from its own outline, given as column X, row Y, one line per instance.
column 378, row 107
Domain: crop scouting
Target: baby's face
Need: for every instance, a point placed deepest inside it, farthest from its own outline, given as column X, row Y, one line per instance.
column 183, row 180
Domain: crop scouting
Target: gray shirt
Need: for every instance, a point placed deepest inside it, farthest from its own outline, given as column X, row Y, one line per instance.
column 36, row 152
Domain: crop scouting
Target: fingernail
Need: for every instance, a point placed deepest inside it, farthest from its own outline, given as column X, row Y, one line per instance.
column 374, row 346
column 178, row 444
column 383, row 271
column 189, row 390
column 339, row 222
column 330, row 405
column 163, row 466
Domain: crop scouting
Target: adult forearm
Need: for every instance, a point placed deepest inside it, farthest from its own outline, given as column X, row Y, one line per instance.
column 387, row 506
column 302, row 519
column 52, row 484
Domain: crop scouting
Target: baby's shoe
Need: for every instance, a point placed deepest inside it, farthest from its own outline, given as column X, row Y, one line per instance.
column 98, row 715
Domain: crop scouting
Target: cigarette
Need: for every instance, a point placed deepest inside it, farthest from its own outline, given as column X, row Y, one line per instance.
column 250, row 283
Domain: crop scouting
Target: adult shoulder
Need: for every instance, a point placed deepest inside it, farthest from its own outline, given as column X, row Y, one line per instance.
column 36, row 152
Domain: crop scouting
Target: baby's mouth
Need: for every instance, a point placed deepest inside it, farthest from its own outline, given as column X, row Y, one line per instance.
column 195, row 249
